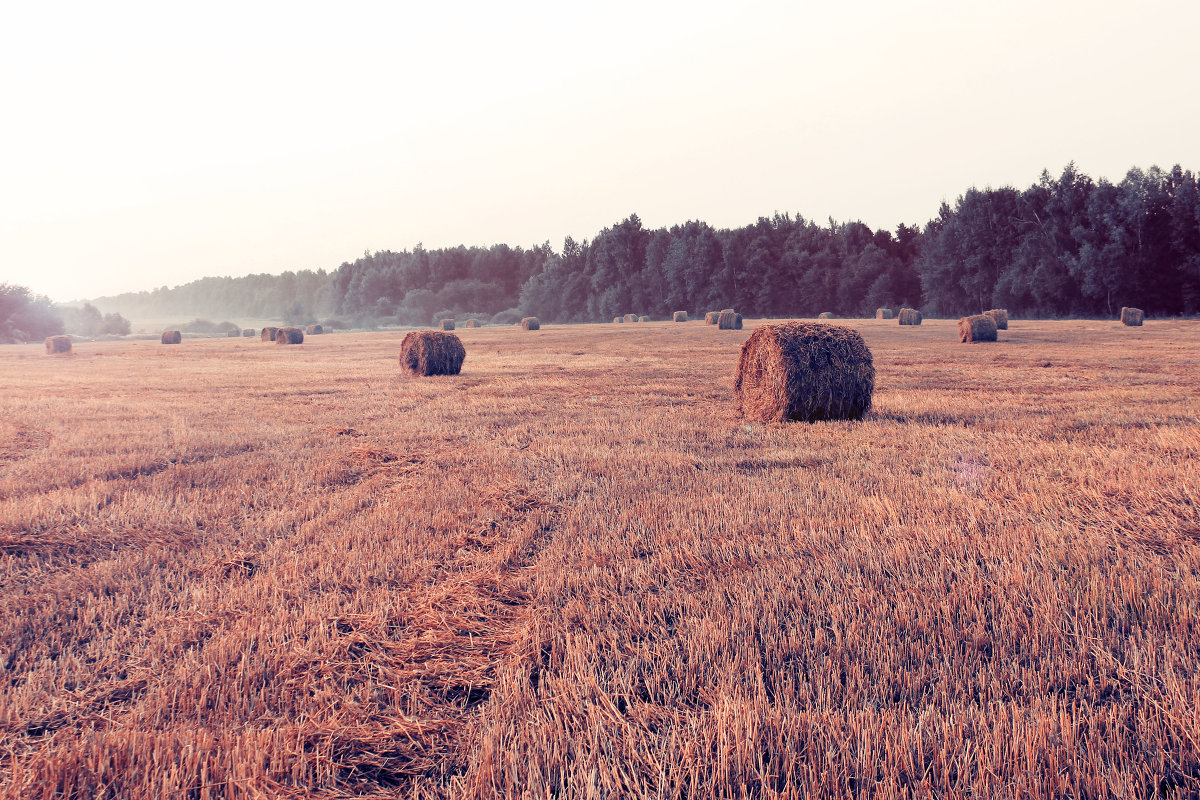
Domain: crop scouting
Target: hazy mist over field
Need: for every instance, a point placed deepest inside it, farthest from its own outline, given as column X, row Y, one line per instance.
column 150, row 145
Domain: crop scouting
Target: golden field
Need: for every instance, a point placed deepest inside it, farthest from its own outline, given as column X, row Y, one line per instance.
column 236, row 569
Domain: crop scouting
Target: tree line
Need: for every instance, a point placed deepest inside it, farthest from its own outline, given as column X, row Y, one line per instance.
column 1064, row 246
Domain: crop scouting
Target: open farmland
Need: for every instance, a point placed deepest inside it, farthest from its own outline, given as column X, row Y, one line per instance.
column 231, row 569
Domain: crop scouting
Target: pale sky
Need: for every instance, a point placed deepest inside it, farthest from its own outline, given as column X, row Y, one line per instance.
column 150, row 144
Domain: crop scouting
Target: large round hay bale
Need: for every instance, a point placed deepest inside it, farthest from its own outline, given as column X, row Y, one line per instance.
column 289, row 336
column 910, row 316
column 644, row 318
column 314, row 330
column 171, row 337
column 729, row 321
column 618, row 320
column 432, row 353
column 446, row 324
column 977, row 328
column 530, row 324
column 825, row 315
column 804, row 371
column 1131, row 316
column 679, row 316
column 58, row 344
column 711, row 317
column 234, row 333
column 883, row 313
column 631, row 317
column 248, row 333
column 268, row 333
column 471, row 323
column 1000, row 317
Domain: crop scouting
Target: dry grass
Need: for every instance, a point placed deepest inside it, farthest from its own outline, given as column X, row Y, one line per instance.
column 575, row 572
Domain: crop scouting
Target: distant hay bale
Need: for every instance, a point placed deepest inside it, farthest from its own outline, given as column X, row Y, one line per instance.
column 471, row 323
column 729, row 321
column 530, row 324
column 248, row 333
column 883, row 313
column 804, row 371
column 314, row 330
column 1131, row 316
column 234, row 332
column 711, row 317
column 58, row 344
column 171, row 337
column 432, row 353
column 446, row 324
column 1000, row 316
column 268, row 333
column 977, row 328
column 910, row 316
column 679, row 316
column 723, row 310
column 825, row 315
column 289, row 336
column 644, row 318
column 618, row 320
column 631, row 317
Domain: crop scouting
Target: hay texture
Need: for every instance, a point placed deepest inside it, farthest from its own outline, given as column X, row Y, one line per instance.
column 171, row 337
column 268, row 333
column 432, row 353
column 825, row 315
column 711, row 317
column 1000, row 317
column 234, row 333
column 618, row 320
column 679, row 316
column 644, row 318
column 248, row 333
column 471, row 323
column 804, row 371
column 977, row 328
column 631, row 317
column 1131, row 316
column 883, row 313
column 729, row 321
column 289, row 336
column 58, row 344
column 910, row 316
column 723, row 310
column 314, row 330
column 530, row 324
column 446, row 324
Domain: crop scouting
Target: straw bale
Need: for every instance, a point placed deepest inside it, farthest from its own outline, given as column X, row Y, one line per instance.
column 1000, row 316
column 1131, row 316
column 289, row 336
column 910, row 316
column 530, row 324
column 171, row 337
column 58, row 344
column 729, row 321
column 977, row 328
column 432, row 353
column 679, row 316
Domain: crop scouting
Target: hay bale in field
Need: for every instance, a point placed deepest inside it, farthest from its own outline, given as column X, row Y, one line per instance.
column 530, row 324
column 268, row 333
column 804, row 371
column 471, row 323
column 432, row 353
column 1131, row 316
column 977, row 328
column 234, row 333
column 910, row 316
column 711, row 317
column 618, row 320
column 883, row 313
column 644, row 318
column 825, row 315
column 729, row 321
column 446, row 324
column 314, row 330
column 248, row 333
column 631, row 317
column 289, row 336
column 723, row 310
column 1000, row 317
column 679, row 316
column 171, row 337
column 58, row 344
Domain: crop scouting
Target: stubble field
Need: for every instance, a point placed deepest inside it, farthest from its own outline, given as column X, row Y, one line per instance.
column 235, row 569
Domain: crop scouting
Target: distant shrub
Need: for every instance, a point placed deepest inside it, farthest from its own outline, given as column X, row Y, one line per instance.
column 509, row 316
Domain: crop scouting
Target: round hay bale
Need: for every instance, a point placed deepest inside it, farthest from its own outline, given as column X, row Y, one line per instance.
column 314, row 330
column 977, row 328
column 1000, row 317
column 631, row 317
column 234, row 333
column 248, row 333
column 883, row 313
column 723, row 310
column 58, row 344
column 825, row 315
column 268, row 333
column 679, row 316
column 446, row 324
column 171, row 337
column 729, row 321
column 910, row 316
column 289, row 336
column 618, row 320
column 530, row 324
column 711, row 317
column 1131, row 316
column 471, row 323
column 432, row 353
column 644, row 318
column 804, row 371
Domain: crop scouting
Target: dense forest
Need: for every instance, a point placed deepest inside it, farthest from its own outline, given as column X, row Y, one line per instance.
column 1065, row 246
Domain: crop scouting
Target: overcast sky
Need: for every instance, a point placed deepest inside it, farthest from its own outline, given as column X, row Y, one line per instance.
column 152, row 144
